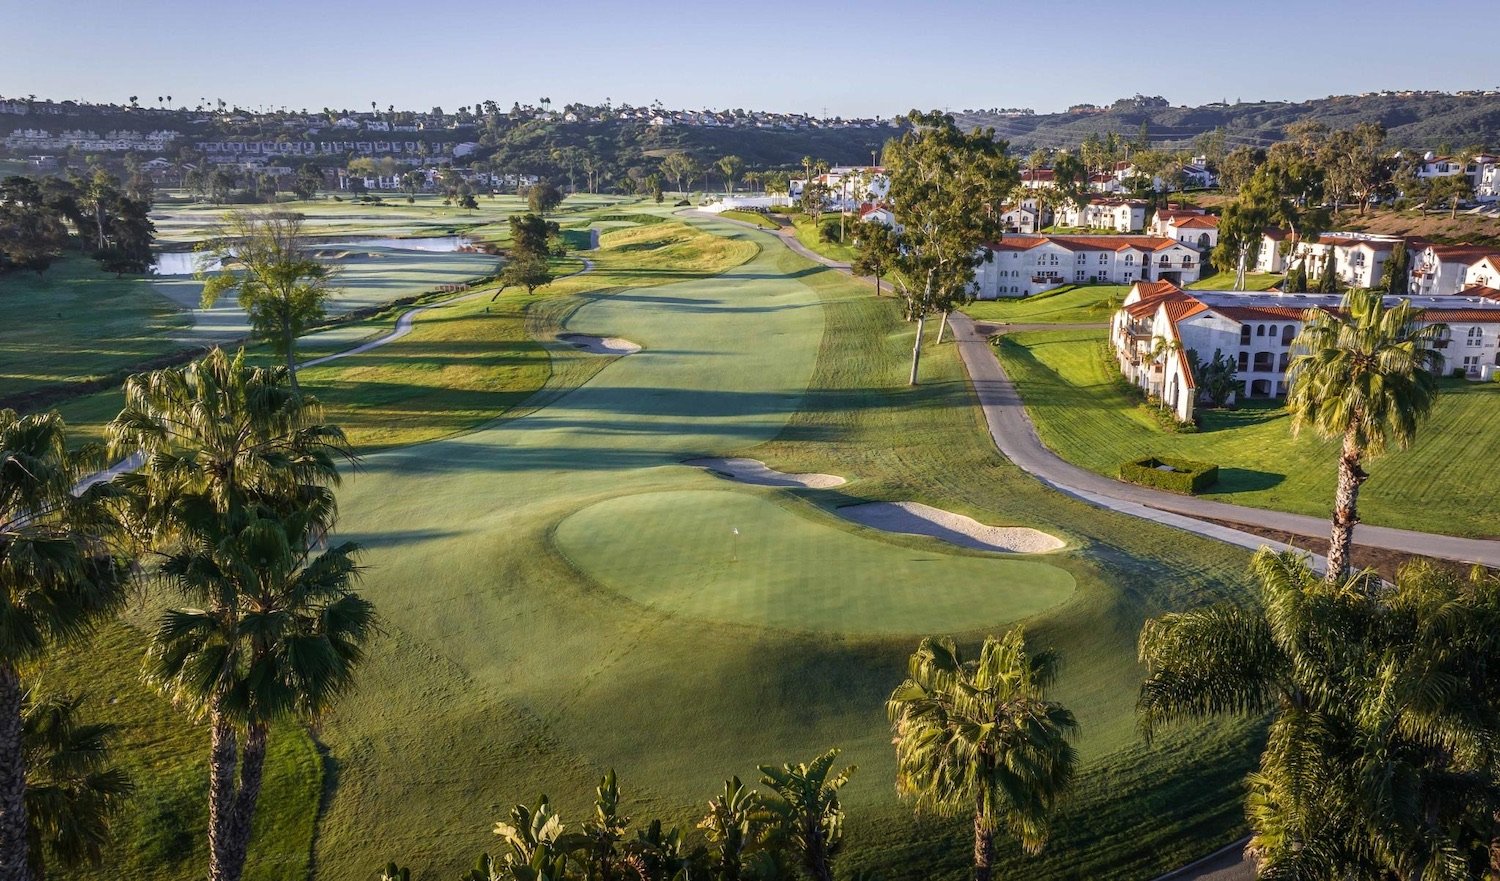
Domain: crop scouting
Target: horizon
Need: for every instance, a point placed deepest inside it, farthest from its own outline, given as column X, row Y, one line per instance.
column 947, row 63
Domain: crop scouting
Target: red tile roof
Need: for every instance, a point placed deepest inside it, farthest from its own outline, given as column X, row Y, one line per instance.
column 1261, row 313
column 1199, row 221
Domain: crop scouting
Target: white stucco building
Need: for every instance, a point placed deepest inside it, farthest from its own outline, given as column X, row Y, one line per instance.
column 1022, row 265
column 1256, row 330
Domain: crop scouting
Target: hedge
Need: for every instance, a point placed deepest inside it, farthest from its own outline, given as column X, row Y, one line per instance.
column 1185, row 476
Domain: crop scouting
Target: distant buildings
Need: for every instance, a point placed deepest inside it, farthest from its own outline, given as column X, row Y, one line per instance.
column 1023, row 265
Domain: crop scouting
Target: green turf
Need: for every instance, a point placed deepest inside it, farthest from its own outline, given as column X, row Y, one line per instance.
column 1069, row 304
column 508, row 672
column 807, row 234
column 77, row 323
column 754, row 217
column 162, row 834
column 1224, row 281
column 742, row 559
column 1435, row 486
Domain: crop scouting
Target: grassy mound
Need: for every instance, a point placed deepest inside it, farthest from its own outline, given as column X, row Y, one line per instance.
column 784, row 571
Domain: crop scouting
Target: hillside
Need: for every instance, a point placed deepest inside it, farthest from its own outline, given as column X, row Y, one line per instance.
column 1425, row 121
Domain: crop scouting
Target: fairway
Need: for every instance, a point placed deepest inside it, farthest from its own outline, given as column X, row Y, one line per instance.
column 738, row 558
column 539, row 582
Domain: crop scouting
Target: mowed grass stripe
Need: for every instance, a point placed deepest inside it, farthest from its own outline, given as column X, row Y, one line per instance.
column 1440, row 484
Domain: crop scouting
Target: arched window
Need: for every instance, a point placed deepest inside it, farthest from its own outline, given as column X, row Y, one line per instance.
column 1244, row 335
column 1165, row 260
column 1476, row 336
column 1272, row 331
column 1260, row 330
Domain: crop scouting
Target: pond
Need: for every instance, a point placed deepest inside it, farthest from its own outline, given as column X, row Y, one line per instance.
column 188, row 262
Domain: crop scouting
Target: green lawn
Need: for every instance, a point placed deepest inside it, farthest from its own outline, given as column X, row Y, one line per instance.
column 162, row 834
column 808, row 235
column 1434, row 486
column 78, row 323
column 754, row 217
column 1069, row 304
column 508, row 670
column 1224, row 281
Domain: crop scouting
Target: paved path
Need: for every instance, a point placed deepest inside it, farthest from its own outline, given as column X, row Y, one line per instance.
column 1226, row 864
column 1015, row 435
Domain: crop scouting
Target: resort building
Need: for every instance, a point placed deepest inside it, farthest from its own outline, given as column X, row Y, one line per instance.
column 1191, row 226
column 1115, row 215
column 1022, row 265
column 1444, row 270
column 1160, row 331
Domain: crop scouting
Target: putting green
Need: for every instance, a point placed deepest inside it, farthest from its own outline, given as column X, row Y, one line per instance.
column 786, row 571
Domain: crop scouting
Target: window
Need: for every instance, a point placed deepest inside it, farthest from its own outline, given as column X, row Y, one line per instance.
column 1103, row 259
column 1081, row 258
column 1476, row 337
column 1165, row 260
column 1281, row 363
column 1272, row 331
column 1287, row 335
column 1262, row 362
column 1078, row 275
column 1244, row 337
column 1187, row 262
column 1129, row 259
column 1244, row 361
column 1260, row 330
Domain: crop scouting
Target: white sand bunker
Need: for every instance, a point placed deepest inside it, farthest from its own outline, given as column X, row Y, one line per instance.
column 756, row 472
column 599, row 345
column 918, row 519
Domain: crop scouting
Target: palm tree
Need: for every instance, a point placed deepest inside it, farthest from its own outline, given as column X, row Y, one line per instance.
column 981, row 736
column 1366, row 375
column 235, row 486
column 1161, row 349
column 806, row 805
column 1381, row 755
column 72, row 792
column 58, row 578
column 276, row 634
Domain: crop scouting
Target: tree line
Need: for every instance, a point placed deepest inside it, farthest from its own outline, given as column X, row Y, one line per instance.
column 41, row 220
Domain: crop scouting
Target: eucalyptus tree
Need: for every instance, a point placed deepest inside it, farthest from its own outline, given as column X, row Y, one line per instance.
column 980, row 737
column 876, row 248
column 1365, row 375
column 59, row 576
column 1381, row 759
column 947, row 187
column 281, row 282
column 729, row 166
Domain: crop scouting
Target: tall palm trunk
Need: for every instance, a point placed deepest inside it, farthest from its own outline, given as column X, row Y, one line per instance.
column 1345, row 506
column 984, row 846
column 231, row 807
column 223, row 755
column 14, row 865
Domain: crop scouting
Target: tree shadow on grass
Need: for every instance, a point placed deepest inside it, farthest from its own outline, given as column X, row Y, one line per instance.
column 1233, row 480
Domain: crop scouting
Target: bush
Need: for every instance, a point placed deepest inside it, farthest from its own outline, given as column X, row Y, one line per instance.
column 1174, row 475
column 682, row 203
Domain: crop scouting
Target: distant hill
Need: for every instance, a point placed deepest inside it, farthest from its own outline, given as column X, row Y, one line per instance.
column 1418, row 121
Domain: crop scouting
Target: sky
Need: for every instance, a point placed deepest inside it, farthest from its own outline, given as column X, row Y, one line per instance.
column 852, row 59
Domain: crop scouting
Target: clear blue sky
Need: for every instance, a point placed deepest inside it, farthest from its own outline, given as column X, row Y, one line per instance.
column 877, row 57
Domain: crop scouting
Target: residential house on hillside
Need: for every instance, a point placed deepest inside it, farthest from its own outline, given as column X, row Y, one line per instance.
column 1117, row 215
column 1022, row 265
column 1191, row 226
column 880, row 214
column 1256, row 330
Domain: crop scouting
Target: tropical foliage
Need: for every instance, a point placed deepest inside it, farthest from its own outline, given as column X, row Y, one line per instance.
column 979, row 737
column 1381, row 761
column 1366, row 375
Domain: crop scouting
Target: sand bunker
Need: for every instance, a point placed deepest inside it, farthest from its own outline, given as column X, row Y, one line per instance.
column 756, row 472
column 918, row 519
column 599, row 345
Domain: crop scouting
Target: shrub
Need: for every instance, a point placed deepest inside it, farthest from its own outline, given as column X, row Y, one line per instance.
column 682, row 203
column 1174, row 475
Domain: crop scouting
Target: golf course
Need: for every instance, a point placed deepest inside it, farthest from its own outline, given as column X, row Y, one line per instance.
column 561, row 593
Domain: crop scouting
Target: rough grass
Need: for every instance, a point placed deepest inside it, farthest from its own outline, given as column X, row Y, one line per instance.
column 807, row 233
column 754, row 217
column 508, row 672
column 78, row 323
column 1435, row 486
column 162, row 834
column 1069, row 304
